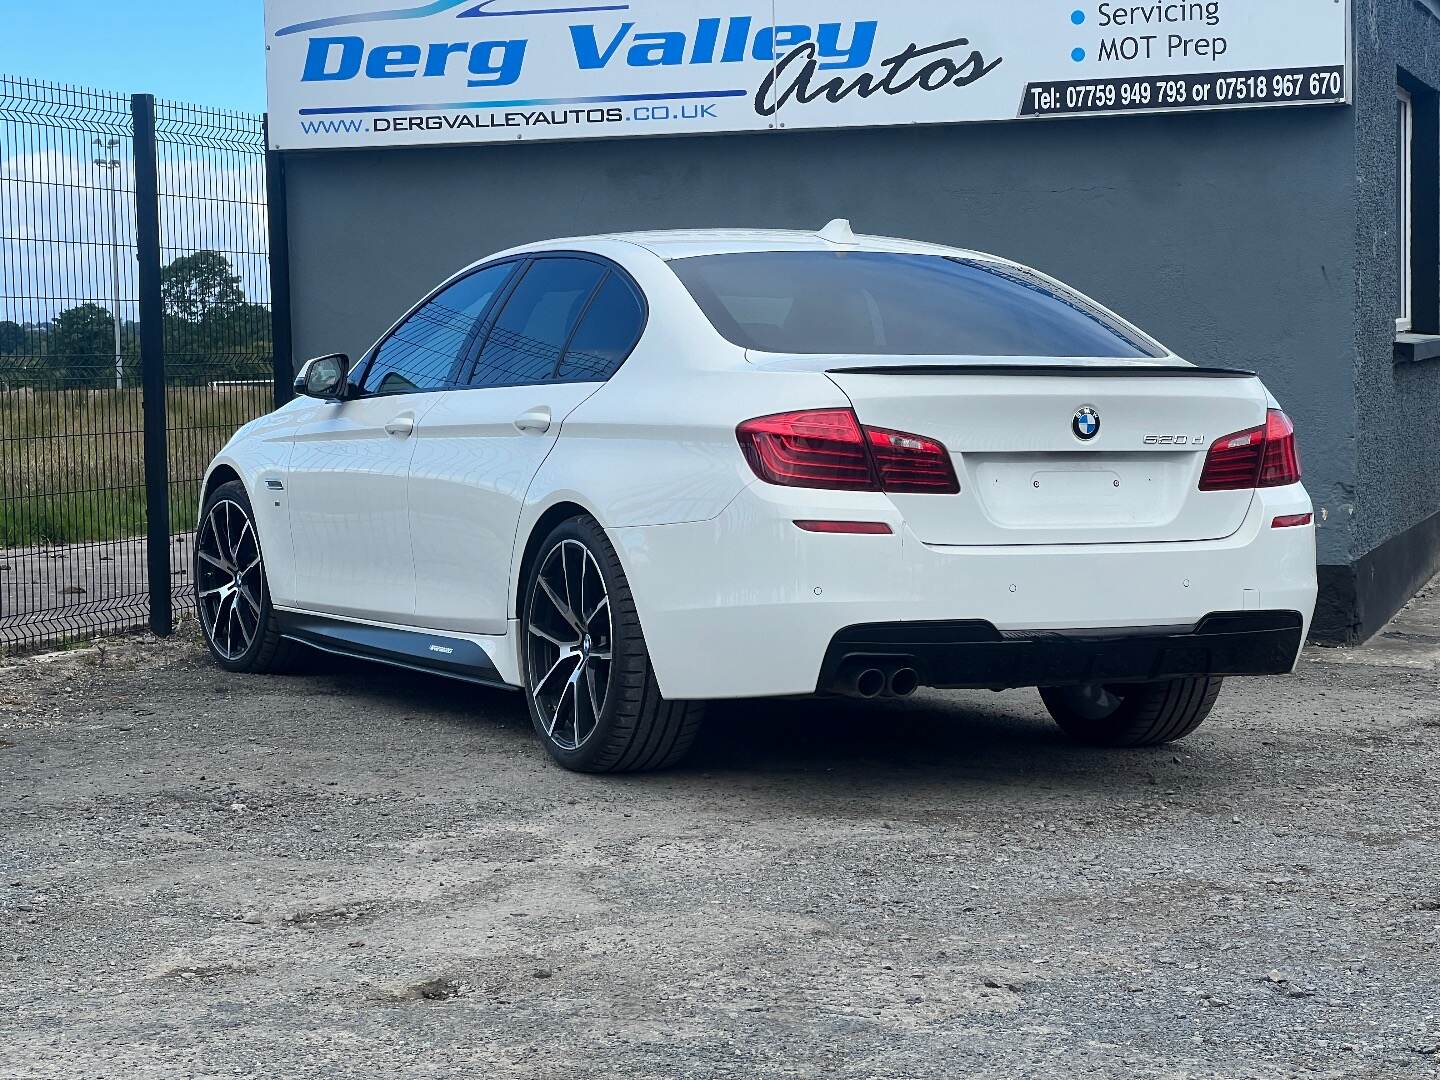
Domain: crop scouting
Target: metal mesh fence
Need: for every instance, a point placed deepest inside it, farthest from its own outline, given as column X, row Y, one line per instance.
column 219, row 371
column 72, row 493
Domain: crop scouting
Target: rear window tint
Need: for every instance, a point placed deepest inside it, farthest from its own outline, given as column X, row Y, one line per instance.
column 877, row 303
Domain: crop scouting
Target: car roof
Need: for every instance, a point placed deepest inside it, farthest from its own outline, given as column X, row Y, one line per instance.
column 690, row 243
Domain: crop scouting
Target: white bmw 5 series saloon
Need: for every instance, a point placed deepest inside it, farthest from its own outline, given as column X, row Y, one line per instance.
column 631, row 474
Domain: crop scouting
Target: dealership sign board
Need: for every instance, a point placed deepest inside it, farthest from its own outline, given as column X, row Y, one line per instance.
column 346, row 73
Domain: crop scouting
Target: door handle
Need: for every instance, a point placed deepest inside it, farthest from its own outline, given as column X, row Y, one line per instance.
column 401, row 426
column 535, row 422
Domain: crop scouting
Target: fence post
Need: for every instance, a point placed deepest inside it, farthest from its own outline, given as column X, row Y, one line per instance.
column 279, row 217
column 152, row 364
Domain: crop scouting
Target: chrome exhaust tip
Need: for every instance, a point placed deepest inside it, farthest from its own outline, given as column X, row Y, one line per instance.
column 902, row 682
column 863, row 682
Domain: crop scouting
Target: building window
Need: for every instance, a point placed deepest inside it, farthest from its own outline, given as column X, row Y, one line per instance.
column 1405, row 207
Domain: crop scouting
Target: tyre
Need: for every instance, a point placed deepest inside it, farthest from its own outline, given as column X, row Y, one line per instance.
column 588, row 679
column 1144, row 714
column 232, row 595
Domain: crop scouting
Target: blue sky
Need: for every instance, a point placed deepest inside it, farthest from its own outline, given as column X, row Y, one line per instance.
column 211, row 52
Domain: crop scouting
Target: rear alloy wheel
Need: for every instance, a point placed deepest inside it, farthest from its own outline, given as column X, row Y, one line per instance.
column 592, row 692
column 1133, row 715
column 232, row 595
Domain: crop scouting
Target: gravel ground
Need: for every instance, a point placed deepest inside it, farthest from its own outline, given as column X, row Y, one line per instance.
column 362, row 872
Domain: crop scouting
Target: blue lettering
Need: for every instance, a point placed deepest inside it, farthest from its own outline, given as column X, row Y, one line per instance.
column 735, row 39
column 727, row 41
column 707, row 35
column 503, row 70
column 438, row 62
column 771, row 43
column 393, row 62
column 657, row 50
column 318, row 60
column 861, row 49
column 501, row 63
column 587, row 46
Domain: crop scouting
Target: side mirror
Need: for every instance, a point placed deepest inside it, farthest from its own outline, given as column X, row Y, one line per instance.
column 324, row 377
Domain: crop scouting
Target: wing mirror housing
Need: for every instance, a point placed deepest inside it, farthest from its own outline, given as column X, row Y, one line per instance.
column 325, row 377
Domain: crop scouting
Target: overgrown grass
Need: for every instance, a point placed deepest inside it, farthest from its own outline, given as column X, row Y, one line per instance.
column 72, row 463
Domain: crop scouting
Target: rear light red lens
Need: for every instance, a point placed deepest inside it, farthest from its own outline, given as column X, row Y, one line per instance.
column 828, row 449
column 822, row 448
column 1282, row 457
column 912, row 464
column 1234, row 462
column 847, row 528
column 1293, row 521
column 1260, row 457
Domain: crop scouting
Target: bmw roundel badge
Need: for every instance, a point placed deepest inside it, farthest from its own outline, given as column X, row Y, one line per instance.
column 1086, row 424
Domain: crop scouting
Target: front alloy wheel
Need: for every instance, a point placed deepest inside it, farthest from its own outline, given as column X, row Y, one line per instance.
column 593, row 696
column 232, row 595
column 229, row 579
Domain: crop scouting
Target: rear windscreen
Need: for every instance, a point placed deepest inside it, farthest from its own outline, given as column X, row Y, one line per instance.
column 875, row 303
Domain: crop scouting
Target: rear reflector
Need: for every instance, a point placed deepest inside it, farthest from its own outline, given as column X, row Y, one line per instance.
column 828, row 449
column 1260, row 457
column 1293, row 521
column 849, row 528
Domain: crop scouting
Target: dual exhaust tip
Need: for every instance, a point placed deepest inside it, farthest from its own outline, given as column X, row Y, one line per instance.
column 869, row 681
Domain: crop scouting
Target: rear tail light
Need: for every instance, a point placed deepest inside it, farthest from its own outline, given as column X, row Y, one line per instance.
column 829, row 449
column 1258, row 458
column 911, row 464
column 1282, row 458
column 823, row 448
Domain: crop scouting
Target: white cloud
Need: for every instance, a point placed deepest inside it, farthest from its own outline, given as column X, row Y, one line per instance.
column 55, row 219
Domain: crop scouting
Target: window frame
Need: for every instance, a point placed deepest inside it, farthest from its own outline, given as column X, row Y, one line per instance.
column 471, row 367
column 1405, row 208
column 367, row 362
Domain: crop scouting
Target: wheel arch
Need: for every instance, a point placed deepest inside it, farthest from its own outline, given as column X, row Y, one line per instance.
column 539, row 530
column 272, row 535
column 220, row 474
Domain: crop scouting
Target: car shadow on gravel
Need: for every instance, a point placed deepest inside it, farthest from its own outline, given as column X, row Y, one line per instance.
column 930, row 731
column 1002, row 749
column 933, row 737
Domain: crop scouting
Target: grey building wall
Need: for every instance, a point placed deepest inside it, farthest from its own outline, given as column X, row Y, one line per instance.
column 1395, row 531
column 1228, row 235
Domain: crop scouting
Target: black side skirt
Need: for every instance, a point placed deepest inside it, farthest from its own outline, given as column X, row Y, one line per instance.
column 974, row 655
column 416, row 650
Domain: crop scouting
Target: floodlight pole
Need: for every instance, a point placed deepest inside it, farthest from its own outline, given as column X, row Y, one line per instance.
column 106, row 159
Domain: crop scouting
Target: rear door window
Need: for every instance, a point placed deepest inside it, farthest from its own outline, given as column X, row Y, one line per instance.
column 608, row 333
column 421, row 353
column 875, row 303
column 530, row 334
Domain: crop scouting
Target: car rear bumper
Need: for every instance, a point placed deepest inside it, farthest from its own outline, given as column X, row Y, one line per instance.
column 975, row 655
column 748, row 605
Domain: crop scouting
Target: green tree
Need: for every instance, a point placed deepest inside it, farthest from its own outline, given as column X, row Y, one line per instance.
column 81, row 347
column 197, row 286
column 13, row 338
column 245, row 333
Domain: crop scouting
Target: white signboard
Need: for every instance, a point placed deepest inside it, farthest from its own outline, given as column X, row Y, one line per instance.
column 344, row 73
